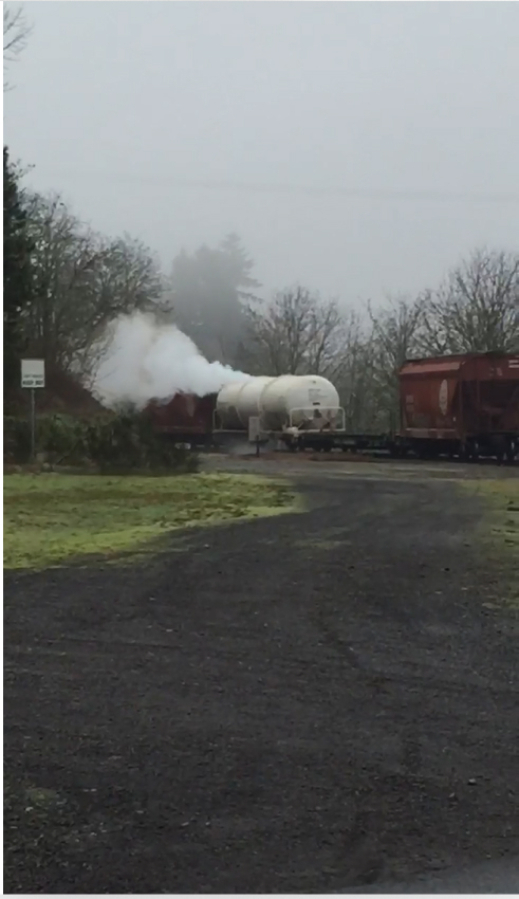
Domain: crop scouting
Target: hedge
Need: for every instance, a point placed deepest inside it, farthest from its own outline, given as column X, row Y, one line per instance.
column 124, row 441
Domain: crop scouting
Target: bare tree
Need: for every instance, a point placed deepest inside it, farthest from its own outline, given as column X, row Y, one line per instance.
column 16, row 32
column 81, row 281
column 397, row 330
column 62, row 261
column 126, row 279
column 476, row 309
column 297, row 333
column 397, row 334
column 353, row 374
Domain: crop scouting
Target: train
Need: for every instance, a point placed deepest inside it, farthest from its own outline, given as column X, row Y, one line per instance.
column 464, row 406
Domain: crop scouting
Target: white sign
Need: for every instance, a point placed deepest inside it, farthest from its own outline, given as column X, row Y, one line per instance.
column 33, row 373
column 254, row 428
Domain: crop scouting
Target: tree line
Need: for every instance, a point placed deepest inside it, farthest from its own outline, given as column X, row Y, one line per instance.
column 64, row 283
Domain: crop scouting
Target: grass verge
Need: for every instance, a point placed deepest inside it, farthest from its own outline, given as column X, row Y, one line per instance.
column 50, row 519
column 499, row 533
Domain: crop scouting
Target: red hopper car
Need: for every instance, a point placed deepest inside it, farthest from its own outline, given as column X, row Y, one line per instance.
column 467, row 405
column 185, row 418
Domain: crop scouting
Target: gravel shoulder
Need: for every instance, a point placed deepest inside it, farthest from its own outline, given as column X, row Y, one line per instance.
column 308, row 703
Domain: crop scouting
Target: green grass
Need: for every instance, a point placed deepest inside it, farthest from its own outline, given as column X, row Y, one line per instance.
column 502, row 497
column 499, row 532
column 50, row 519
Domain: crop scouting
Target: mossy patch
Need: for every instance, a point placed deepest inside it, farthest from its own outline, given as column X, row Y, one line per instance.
column 50, row 519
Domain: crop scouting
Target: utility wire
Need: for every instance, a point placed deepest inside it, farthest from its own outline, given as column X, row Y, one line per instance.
column 299, row 189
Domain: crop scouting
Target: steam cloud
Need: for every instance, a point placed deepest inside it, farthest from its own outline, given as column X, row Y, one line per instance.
column 145, row 360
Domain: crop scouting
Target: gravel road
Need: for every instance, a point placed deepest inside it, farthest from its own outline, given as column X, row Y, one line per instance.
column 310, row 703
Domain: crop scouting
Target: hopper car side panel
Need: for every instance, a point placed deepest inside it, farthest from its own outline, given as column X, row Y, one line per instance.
column 185, row 418
column 467, row 404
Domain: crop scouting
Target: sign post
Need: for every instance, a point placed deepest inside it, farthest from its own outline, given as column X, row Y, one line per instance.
column 33, row 378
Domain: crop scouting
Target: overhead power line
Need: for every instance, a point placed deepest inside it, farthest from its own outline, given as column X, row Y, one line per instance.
column 298, row 189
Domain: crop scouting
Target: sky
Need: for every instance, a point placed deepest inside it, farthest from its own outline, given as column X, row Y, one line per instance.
column 358, row 148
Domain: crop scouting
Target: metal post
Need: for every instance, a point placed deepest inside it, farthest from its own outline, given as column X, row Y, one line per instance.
column 33, row 425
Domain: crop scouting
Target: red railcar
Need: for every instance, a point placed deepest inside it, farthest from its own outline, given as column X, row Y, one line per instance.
column 185, row 418
column 468, row 405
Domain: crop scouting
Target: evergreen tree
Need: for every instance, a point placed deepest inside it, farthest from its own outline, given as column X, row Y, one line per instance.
column 208, row 291
column 17, row 272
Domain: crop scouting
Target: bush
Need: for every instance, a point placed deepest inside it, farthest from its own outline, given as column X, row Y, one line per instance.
column 57, row 436
column 62, row 437
column 126, row 441
column 17, row 439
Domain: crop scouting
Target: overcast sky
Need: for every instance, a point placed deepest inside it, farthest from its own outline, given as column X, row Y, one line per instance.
column 282, row 110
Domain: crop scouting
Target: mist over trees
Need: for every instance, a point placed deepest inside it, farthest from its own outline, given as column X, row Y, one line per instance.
column 64, row 284
column 208, row 292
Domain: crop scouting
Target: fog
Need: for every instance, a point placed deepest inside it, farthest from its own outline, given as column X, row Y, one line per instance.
column 144, row 360
column 356, row 148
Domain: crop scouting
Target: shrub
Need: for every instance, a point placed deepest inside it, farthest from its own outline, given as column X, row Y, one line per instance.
column 123, row 442
column 128, row 441
column 17, row 439
column 57, row 436
column 62, row 437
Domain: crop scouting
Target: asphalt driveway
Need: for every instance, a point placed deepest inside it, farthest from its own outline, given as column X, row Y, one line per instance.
column 308, row 703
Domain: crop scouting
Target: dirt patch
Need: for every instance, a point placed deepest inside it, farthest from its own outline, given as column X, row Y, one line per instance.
column 259, row 714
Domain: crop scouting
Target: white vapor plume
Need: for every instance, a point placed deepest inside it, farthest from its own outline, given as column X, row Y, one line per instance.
column 146, row 360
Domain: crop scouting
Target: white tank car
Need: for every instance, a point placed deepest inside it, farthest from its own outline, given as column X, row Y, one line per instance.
column 227, row 406
column 239, row 401
column 307, row 401
column 250, row 397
